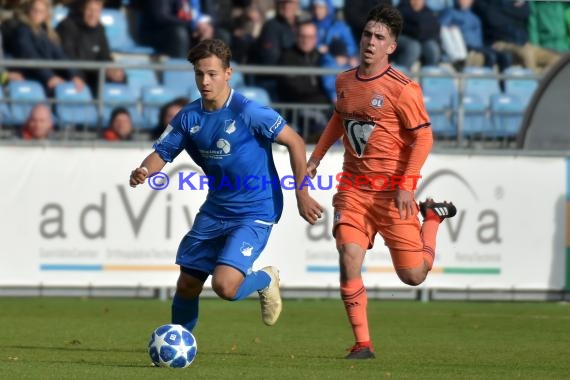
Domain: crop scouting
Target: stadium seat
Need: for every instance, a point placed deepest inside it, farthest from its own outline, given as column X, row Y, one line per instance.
column 476, row 121
column 119, row 95
column 153, row 98
column 117, row 31
column 441, row 85
column 180, row 81
column 75, row 107
column 258, row 94
column 523, row 86
column 507, row 113
column 137, row 79
column 439, row 5
column 24, row 95
column 481, row 83
column 438, row 109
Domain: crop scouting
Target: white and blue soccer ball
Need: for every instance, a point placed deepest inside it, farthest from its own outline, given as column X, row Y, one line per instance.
column 172, row 346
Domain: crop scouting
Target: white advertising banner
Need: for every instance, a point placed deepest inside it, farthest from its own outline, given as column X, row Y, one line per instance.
column 69, row 218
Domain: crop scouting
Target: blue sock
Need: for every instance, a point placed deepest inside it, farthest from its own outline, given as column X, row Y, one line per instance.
column 185, row 311
column 252, row 282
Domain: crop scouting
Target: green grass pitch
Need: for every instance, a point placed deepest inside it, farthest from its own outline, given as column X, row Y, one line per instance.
column 70, row 338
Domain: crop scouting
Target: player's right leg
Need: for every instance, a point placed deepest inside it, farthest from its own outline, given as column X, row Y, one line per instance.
column 196, row 257
column 354, row 234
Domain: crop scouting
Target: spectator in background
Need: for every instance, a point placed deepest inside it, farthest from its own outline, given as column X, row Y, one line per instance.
column 329, row 28
column 505, row 26
column 336, row 58
column 246, row 28
column 35, row 39
column 120, row 125
column 547, row 25
column 306, row 89
column 204, row 29
column 469, row 24
column 39, row 124
column 167, row 112
column 278, row 33
column 7, row 75
column 355, row 12
column 83, row 38
column 167, row 25
column 420, row 35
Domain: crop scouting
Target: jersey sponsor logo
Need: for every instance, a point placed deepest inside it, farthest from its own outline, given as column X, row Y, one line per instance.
column 195, row 129
column 246, row 249
column 358, row 133
column 377, row 101
column 224, row 145
column 341, row 95
column 230, row 126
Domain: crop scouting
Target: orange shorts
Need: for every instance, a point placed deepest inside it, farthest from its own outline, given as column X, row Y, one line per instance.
column 359, row 215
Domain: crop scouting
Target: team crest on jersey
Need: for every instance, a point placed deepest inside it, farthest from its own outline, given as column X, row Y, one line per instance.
column 246, row 249
column 358, row 132
column 195, row 129
column 230, row 126
column 377, row 101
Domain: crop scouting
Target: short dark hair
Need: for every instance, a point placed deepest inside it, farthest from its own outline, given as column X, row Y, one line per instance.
column 208, row 48
column 389, row 16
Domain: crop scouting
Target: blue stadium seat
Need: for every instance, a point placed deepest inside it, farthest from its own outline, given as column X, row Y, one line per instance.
column 523, row 86
column 24, row 95
column 117, row 31
column 153, row 98
column 137, row 79
column 439, row 5
column 119, row 95
column 258, row 94
column 438, row 109
column 507, row 113
column 476, row 121
column 481, row 83
column 442, row 85
column 75, row 107
column 181, row 82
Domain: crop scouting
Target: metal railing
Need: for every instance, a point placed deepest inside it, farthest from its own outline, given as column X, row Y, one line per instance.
column 295, row 111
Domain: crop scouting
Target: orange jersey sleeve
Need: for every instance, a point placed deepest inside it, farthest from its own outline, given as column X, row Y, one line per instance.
column 331, row 134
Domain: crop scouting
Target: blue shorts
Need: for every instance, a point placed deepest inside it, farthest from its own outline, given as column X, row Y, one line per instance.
column 214, row 241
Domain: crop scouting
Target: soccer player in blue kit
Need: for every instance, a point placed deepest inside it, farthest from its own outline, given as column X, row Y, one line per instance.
column 230, row 137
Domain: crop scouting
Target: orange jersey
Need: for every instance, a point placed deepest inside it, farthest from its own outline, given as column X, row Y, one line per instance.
column 380, row 119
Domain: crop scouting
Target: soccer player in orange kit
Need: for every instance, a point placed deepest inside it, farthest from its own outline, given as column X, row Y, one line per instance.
column 386, row 134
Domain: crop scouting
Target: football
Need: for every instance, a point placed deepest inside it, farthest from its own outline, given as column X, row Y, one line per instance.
column 172, row 346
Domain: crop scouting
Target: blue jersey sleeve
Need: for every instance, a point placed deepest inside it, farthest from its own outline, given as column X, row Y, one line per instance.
column 264, row 121
column 173, row 139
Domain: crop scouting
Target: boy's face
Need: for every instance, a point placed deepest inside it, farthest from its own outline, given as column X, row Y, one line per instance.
column 211, row 77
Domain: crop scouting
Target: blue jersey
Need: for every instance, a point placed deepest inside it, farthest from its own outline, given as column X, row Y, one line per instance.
column 232, row 145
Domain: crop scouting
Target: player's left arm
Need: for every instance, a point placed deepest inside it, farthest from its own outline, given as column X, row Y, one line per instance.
column 414, row 118
column 309, row 209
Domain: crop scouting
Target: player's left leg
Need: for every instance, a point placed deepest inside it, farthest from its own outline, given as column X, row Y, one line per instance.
column 411, row 244
column 234, row 279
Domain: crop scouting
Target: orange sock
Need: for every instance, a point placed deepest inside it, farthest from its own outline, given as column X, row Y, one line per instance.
column 355, row 300
column 429, row 233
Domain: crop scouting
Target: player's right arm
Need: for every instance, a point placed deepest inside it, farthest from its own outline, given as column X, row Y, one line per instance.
column 331, row 134
column 151, row 164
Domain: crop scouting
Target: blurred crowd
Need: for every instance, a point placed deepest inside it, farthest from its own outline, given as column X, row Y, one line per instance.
column 314, row 33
